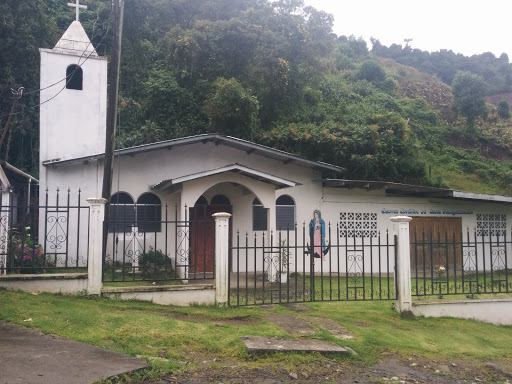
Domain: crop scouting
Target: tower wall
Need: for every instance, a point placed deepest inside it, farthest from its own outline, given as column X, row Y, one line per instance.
column 72, row 122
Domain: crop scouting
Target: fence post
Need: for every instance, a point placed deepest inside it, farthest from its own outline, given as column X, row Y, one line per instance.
column 221, row 257
column 95, row 257
column 403, row 264
column 5, row 226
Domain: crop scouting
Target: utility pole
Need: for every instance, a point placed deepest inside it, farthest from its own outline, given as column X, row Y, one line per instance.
column 113, row 91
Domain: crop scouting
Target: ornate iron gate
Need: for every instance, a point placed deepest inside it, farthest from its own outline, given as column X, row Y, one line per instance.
column 294, row 266
column 472, row 263
column 42, row 237
column 153, row 248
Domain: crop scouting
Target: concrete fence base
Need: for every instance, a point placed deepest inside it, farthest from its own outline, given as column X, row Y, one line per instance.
column 64, row 283
column 495, row 311
column 181, row 295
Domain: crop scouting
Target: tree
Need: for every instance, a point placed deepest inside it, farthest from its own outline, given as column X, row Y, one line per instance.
column 232, row 109
column 468, row 91
column 371, row 71
column 24, row 26
column 504, row 109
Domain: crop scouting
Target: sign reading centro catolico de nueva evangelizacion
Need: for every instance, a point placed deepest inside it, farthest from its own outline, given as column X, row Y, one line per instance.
column 430, row 212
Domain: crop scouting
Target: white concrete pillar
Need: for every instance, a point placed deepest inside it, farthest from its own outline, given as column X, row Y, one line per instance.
column 403, row 264
column 221, row 257
column 95, row 257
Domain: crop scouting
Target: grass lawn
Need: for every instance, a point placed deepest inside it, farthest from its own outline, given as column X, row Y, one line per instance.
column 176, row 338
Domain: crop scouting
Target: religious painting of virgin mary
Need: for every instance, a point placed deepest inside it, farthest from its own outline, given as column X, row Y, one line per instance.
column 317, row 236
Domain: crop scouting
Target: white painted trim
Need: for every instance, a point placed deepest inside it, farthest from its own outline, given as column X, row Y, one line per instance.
column 233, row 167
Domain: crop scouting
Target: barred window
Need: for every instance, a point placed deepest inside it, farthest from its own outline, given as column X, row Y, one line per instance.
column 149, row 213
column 491, row 224
column 358, row 224
column 285, row 213
column 259, row 216
column 122, row 213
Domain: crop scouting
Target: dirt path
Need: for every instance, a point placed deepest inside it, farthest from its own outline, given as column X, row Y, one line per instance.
column 392, row 369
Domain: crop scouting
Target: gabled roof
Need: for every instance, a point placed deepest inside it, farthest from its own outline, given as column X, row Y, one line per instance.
column 236, row 168
column 398, row 189
column 217, row 139
column 75, row 41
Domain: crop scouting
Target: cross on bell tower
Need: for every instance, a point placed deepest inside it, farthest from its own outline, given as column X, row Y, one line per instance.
column 77, row 6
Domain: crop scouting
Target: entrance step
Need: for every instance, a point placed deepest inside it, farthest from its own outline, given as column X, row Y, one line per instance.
column 291, row 324
column 258, row 344
column 331, row 326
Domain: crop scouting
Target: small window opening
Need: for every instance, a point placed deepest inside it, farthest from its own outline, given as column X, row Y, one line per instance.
column 74, row 77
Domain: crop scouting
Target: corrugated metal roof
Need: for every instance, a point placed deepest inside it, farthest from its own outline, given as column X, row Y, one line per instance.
column 247, row 146
column 399, row 189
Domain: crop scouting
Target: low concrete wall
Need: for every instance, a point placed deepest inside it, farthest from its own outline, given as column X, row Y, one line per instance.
column 65, row 283
column 495, row 311
column 181, row 295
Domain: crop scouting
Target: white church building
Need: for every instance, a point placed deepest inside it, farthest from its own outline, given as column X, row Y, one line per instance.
column 160, row 185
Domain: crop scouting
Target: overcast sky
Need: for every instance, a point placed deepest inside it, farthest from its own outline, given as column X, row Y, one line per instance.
column 464, row 26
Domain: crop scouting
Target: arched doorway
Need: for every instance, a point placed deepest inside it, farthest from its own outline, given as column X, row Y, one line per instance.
column 202, row 232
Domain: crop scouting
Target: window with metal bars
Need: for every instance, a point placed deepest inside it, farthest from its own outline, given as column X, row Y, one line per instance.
column 285, row 213
column 259, row 216
column 146, row 215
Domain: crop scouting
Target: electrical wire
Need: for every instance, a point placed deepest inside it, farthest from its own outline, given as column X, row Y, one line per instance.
column 68, row 78
column 81, row 56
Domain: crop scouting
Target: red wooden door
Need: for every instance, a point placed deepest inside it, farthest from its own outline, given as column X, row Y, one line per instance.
column 202, row 232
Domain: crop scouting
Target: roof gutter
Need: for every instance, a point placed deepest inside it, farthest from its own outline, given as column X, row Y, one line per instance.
column 19, row 172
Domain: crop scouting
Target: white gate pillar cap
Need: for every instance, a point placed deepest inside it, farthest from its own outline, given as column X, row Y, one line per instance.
column 221, row 215
column 97, row 200
column 401, row 219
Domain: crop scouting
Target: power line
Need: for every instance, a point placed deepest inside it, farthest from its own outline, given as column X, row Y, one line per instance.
column 68, row 78
column 81, row 56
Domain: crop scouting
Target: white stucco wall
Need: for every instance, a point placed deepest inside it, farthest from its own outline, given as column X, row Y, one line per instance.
column 135, row 174
column 72, row 122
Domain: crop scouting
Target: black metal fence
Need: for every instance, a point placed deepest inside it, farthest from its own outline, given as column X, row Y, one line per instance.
column 43, row 238
column 151, row 243
column 471, row 263
column 297, row 266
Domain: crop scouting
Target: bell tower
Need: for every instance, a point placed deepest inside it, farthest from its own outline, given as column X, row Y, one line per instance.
column 73, row 98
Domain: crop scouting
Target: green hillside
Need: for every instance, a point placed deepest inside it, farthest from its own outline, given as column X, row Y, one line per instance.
column 274, row 73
